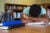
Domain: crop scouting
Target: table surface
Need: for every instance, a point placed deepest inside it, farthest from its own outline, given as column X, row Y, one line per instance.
column 29, row 29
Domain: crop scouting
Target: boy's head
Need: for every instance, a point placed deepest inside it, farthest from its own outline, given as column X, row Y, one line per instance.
column 35, row 10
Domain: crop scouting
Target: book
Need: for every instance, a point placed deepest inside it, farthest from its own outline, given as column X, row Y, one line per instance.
column 11, row 27
column 4, row 27
column 11, row 24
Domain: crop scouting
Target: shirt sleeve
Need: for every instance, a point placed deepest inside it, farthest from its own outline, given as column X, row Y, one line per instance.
column 43, row 11
column 26, row 10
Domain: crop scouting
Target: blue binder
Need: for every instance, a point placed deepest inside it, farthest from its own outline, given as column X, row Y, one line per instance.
column 12, row 23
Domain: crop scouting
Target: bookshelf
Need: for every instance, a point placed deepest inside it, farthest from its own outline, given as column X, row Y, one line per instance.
column 14, row 9
column 47, row 7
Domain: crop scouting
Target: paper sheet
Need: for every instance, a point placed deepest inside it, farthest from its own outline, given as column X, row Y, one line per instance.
column 36, row 23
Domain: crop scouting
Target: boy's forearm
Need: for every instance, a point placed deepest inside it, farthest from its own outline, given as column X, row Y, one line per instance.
column 25, row 20
column 39, row 19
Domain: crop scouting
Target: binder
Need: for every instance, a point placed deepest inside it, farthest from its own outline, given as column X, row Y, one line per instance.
column 11, row 24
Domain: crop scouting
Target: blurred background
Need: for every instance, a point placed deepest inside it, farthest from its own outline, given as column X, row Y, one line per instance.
column 22, row 2
column 17, row 6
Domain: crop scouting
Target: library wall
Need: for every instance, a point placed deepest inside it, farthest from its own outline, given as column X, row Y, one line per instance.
column 24, row 2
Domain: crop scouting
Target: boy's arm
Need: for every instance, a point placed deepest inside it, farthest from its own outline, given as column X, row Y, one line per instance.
column 43, row 18
column 26, row 18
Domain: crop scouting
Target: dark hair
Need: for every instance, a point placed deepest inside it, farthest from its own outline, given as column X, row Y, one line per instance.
column 35, row 10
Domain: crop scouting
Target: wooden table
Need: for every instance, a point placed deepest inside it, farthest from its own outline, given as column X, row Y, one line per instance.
column 29, row 29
